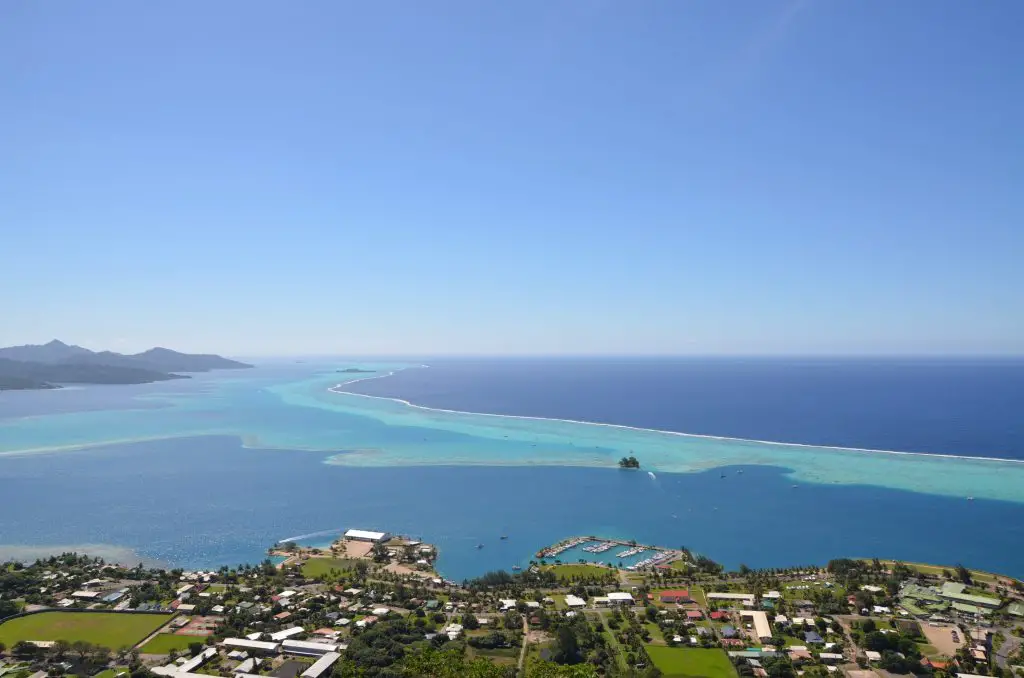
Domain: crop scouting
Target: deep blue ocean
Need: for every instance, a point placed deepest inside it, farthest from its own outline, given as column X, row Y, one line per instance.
column 943, row 406
column 205, row 501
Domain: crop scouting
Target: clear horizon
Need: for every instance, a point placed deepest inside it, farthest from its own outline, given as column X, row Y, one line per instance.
column 780, row 178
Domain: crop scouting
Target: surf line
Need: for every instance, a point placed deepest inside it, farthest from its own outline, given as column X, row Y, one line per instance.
column 338, row 388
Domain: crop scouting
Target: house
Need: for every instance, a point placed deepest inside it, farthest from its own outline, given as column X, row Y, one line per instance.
column 254, row 646
column 197, row 661
column 574, row 601
column 507, row 604
column 365, row 535
column 85, row 595
column 813, row 638
column 620, row 598
column 247, row 666
column 675, row 596
column 320, row 666
column 799, row 654
column 307, row 648
column 762, row 629
column 728, row 631
column 829, row 657
column 694, row 615
column 719, row 615
column 286, row 633
column 954, row 592
column 873, row 656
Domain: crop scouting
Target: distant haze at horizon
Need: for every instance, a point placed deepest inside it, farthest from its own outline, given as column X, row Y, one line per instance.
column 123, row 346
column 462, row 178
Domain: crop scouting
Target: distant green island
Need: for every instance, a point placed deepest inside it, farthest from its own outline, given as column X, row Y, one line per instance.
column 356, row 370
column 48, row 365
column 629, row 462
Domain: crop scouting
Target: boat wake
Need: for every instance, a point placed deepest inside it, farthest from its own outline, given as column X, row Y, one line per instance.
column 321, row 533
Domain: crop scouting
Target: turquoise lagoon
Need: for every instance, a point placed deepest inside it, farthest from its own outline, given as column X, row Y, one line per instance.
column 298, row 408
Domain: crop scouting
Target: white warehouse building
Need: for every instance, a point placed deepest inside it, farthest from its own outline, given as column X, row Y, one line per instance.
column 366, row 535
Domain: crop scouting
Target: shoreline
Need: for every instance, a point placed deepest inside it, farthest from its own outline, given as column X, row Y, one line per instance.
column 337, row 388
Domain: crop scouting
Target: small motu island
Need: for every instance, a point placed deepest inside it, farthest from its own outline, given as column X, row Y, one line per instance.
column 371, row 604
column 629, row 462
column 356, row 370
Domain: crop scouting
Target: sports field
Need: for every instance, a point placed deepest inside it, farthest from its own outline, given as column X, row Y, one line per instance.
column 165, row 642
column 321, row 567
column 101, row 628
column 580, row 571
column 691, row 662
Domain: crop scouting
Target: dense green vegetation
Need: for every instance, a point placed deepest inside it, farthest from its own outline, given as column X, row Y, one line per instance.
column 629, row 462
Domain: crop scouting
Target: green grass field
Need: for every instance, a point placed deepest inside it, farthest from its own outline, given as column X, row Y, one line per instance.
column 580, row 571
column 320, row 567
column 690, row 662
column 501, row 655
column 102, row 628
column 165, row 642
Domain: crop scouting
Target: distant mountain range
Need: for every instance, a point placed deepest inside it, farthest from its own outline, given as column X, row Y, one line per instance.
column 48, row 365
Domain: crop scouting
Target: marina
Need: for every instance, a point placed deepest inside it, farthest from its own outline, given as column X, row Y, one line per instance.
column 599, row 548
column 591, row 549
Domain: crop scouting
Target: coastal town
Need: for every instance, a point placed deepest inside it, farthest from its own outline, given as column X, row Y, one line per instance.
column 373, row 604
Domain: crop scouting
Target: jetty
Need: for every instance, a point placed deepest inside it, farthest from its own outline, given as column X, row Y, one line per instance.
column 660, row 556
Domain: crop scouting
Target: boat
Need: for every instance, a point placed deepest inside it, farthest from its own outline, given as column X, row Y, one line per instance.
column 516, row 567
column 653, row 477
column 970, row 498
column 479, row 546
column 740, row 471
column 723, row 475
column 504, row 536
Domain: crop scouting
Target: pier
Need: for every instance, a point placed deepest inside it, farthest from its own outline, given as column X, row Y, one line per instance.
column 660, row 556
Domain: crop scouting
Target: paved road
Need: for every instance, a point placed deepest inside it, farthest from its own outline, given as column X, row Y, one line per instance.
column 522, row 652
column 1007, row 649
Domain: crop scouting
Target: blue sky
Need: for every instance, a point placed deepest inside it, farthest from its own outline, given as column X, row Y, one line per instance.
column 264, row 178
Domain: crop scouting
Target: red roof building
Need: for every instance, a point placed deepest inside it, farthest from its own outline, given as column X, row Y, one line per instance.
column 719, row 615
column 676, row 596
column 694, row 614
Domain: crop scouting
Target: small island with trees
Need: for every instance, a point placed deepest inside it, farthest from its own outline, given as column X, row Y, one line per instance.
column 355, row 370
column 629, row 462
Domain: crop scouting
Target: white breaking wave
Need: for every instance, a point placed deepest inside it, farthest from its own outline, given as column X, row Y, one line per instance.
column 338, row 388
